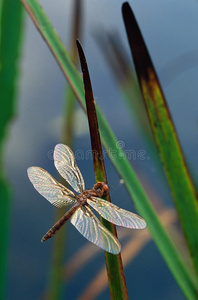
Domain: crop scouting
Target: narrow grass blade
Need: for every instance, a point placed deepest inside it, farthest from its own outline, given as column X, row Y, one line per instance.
column 67, row 133
column 10, row 37
column 55, row 45
column 98, row 160
column 183, row 190
column 184, row 278
column 116, row 278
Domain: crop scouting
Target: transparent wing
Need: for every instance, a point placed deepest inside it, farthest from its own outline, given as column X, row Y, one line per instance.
column 65, row 163
column 91, row 228
column 50, row 188
column 115, row 214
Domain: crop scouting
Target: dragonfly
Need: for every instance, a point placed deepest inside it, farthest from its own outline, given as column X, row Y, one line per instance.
column 81, row 213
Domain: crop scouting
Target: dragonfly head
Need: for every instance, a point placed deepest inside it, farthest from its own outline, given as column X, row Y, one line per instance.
column 101, row 189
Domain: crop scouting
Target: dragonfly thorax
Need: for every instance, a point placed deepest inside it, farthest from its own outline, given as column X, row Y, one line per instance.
column 100, row 189
column 82, row 198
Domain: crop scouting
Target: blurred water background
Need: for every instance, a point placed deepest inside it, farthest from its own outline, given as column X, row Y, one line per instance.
column 170, row 32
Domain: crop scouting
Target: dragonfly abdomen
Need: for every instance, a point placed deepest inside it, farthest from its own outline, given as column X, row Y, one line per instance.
column 60, row 222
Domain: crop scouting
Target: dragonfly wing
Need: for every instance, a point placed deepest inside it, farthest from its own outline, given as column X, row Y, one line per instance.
column 65, row 163
column 50, row 188
column 91, row 228
column 115, row 214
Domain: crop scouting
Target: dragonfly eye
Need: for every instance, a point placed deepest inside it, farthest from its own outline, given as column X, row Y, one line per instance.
column 105, row 189
column 101, row 188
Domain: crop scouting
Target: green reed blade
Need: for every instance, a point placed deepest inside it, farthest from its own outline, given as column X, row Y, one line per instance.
column 10, row 37
column 183, row 190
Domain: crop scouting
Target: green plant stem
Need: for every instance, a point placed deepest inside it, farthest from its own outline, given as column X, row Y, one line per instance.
column 115, row 271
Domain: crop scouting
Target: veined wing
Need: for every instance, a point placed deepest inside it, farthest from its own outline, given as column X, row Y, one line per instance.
column 50, row 188
column 65, row 163
column 91, row 228
column 115, row 214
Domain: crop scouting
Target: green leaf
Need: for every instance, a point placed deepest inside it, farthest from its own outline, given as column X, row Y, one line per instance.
column 179, row 179
column 10, row 37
